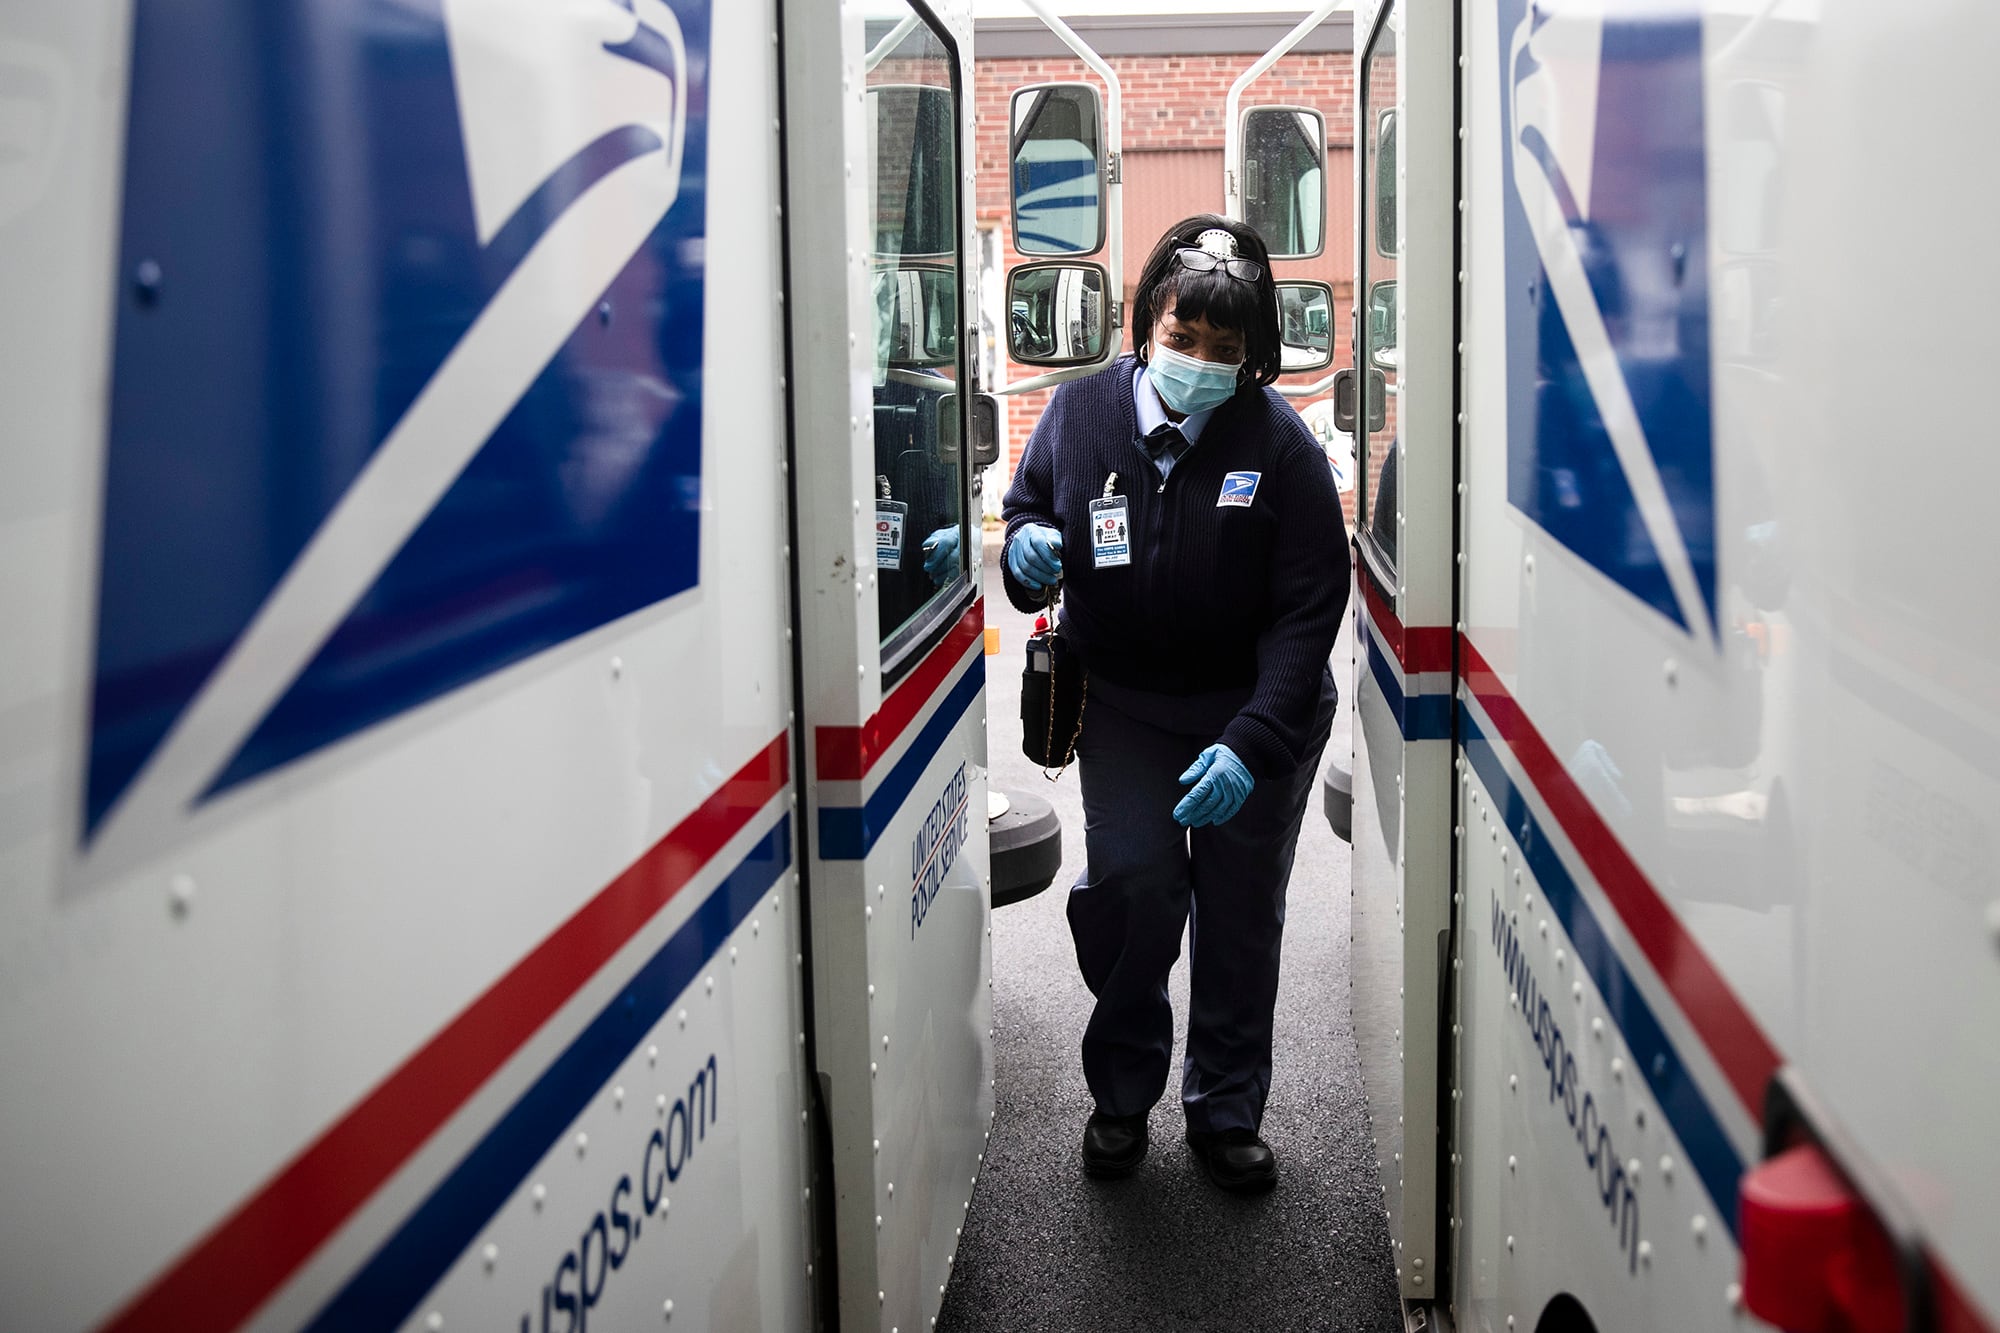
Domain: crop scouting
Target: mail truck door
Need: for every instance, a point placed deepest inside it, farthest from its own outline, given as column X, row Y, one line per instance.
column 889, row 621
column 1402, row 820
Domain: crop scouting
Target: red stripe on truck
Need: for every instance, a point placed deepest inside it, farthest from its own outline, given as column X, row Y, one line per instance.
column 229, row 1274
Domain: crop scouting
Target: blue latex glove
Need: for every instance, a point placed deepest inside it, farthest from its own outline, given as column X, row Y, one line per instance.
column 941, row 556
column 1034, row 557
column 1221, row 785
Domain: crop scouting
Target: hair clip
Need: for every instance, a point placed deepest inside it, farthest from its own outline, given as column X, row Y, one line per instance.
column 1217, row 242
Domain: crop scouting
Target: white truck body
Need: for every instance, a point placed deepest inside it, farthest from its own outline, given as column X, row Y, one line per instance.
column 433, row 477
column 1692, row 605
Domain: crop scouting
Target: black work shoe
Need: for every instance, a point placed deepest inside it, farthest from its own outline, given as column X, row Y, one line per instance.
column 1113, row 1145
column 1236, row 1159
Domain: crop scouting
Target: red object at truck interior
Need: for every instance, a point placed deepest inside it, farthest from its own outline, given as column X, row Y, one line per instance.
column 1814, row 1258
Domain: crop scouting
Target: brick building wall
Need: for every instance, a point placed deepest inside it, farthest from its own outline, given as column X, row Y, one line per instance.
column 1173, row 137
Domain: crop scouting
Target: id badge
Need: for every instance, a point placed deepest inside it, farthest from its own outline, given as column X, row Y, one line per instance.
column 1110, row 534
column 890, row 516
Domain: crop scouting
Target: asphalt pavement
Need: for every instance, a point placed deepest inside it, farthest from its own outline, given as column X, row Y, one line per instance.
column 1047, row 1248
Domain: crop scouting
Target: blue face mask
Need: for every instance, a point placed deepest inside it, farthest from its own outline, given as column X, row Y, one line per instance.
column 1188, row 384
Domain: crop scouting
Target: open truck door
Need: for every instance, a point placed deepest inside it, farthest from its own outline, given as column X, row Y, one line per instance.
column 892, row 679
column 1403, row 376
column 1401, row 777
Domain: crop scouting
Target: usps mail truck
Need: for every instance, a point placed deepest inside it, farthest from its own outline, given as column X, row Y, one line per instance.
column 1677, row 942
column 489, row 837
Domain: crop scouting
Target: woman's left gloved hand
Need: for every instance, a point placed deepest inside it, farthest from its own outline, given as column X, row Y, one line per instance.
column 941, row 555
column 1221, row 785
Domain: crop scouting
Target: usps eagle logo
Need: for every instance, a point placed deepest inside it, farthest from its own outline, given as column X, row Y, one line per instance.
column 1239, row 490
column 422, row 405
column 1610, row 415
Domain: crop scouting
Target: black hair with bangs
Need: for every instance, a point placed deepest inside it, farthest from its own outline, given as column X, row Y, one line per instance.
column 1249, row 308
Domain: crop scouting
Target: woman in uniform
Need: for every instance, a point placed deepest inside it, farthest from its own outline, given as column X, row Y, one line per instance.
column 1191, row 520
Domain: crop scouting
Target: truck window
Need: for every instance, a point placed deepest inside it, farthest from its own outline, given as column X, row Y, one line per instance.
column 1376, row 296
column 919, row 475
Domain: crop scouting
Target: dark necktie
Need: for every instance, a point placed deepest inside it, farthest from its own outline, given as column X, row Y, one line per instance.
column 1164, row 439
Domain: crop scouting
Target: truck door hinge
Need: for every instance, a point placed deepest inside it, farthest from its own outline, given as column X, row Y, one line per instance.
column 1114, row 168
column 1117, row 314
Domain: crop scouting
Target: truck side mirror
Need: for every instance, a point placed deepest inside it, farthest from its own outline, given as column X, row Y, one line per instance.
column 1056, row 156
column 1056, row 314
column 1305, row 326
column 1284, row 179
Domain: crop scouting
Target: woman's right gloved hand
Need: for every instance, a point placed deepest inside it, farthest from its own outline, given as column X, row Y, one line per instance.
column 1034, row 557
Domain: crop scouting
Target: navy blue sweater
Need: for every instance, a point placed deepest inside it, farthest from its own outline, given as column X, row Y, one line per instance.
column 1217, row 597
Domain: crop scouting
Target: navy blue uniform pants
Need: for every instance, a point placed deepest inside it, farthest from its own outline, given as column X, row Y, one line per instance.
column 1147, row 878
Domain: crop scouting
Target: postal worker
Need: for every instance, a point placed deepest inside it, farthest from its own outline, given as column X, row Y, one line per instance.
column 1191, row 520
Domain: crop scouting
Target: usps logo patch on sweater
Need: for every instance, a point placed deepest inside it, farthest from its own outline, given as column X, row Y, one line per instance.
column 1238, row 488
